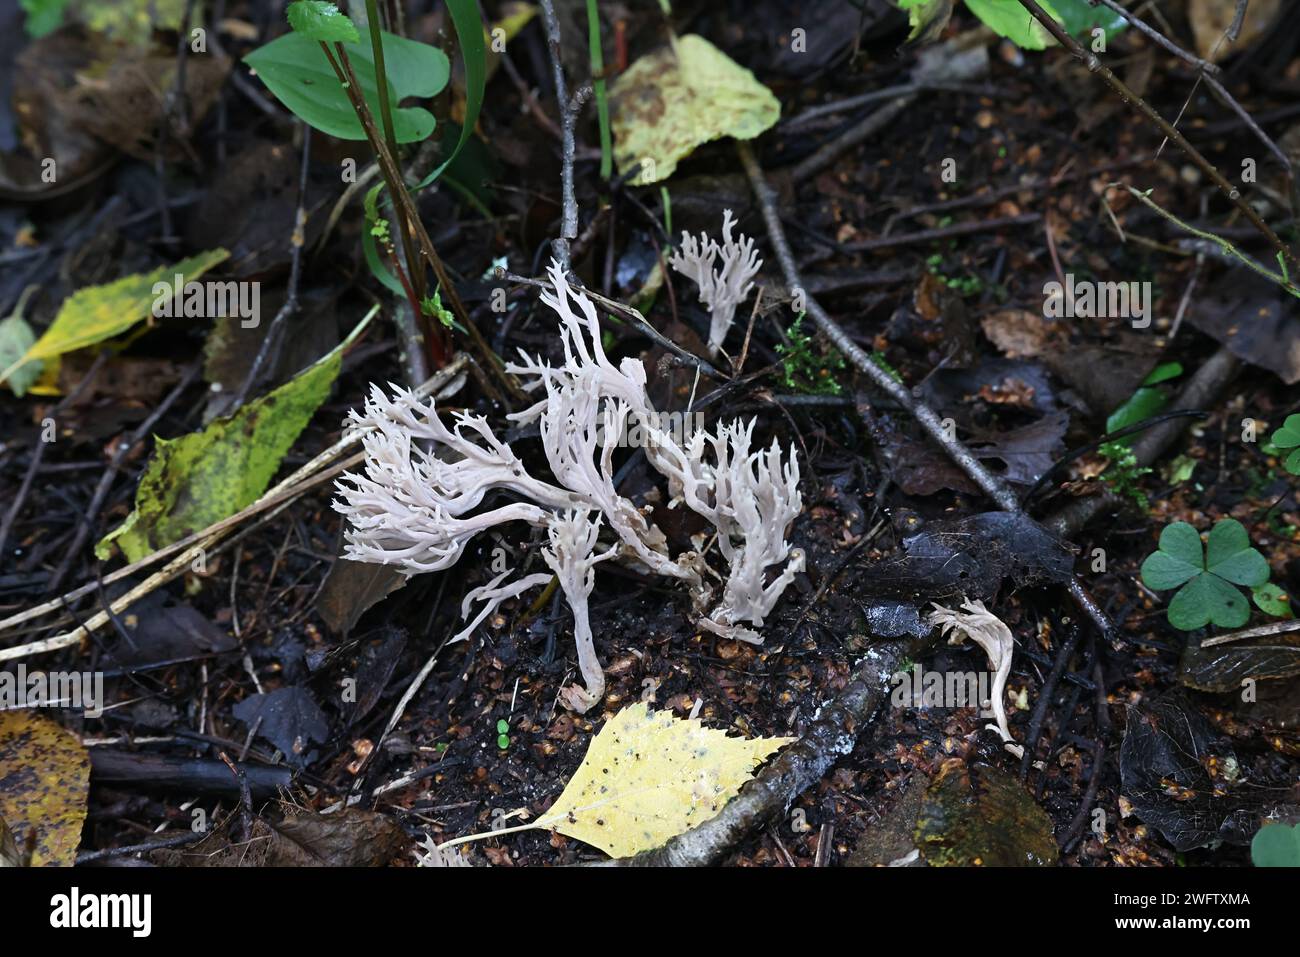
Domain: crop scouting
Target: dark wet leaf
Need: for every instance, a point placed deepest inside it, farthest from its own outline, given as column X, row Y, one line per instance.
column 160, row 629
column 9, row 855
column 350, row 838
column 377, row 662
column 1256, row 321
column 970, row 557
column 1182, row 777
column 1025, row 453
column 951, row 390
column 290, row 719
column 1223, row 668
column 351, row 588
column 975, row 815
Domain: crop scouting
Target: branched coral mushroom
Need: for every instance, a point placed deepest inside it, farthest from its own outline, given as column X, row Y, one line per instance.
column 419, row 499
column 722, row 290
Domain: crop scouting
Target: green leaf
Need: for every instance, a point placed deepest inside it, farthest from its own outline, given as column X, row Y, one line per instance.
column 469, row 34
column 295, row 69
column 927, row 18
column 678, row 97
column 1292, row 463
column 1288, row 437
column 1007, row 18
column 1183, row 542
column 1139, row 407
column 321, row 21
column 1080, row 17
column 96, row 313
column 16, row 338
column 1276, row 845
column 1164, row 372
column 1208, row 598
column 43, row 16
column 1230, row 556
column 1162, row 571
column 203, row 477
column 1272, row 600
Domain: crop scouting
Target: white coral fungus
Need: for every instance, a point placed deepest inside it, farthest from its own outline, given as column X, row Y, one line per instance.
column 989, row 632
column 418, row 500
column 721, row 290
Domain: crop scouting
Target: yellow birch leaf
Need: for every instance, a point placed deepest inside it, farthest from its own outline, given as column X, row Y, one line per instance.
column 96, row 313
column 649, row 776
column 44, row 778
column 672, row 100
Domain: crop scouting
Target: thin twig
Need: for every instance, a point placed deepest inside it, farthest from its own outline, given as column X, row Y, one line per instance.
column 1263, row 631
column 568, row 119
column 38, row 450
column 1095, row 65
column 941, row 233
column 271, row 340
column 995, row 488
column 1210, row 73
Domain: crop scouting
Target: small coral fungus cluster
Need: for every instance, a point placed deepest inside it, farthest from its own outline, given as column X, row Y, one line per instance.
column 420, row 498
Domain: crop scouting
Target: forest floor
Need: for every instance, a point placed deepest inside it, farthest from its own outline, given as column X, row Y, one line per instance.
column 275, row 654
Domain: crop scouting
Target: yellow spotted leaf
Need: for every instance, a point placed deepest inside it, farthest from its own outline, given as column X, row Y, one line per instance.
column 649, row 776
column 44, row 777
column 96, row 313
column 672, row 100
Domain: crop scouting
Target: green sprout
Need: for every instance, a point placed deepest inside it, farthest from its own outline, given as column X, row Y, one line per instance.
column 503, row 739
column 807, row 368
column 1122, row 475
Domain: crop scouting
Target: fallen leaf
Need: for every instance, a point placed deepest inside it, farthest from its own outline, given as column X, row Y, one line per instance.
column 44, row 779
column 1018, row 333
column 353, row 837
column 678, row 97
column 289, row 718
column 203, row 477
column 649, row 776
column 1255, row 320
column 1174, row 771
column 956, row 559
column 976, row 815
column 1223, row 668
column 96, row 313
column 16, row 338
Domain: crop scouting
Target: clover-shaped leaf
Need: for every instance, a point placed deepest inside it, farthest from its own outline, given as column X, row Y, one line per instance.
column 1288, row 437
column 1276, row 844
column 1205, row 577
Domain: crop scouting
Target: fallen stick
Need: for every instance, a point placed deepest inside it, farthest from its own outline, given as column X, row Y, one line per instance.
column 827, row 738
column 1199, row 393
column 172, row 773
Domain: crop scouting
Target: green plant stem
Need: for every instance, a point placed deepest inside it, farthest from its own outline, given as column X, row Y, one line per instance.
column 381, row 75
column 408, row 219
column 414, row 227
column 598, row 85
